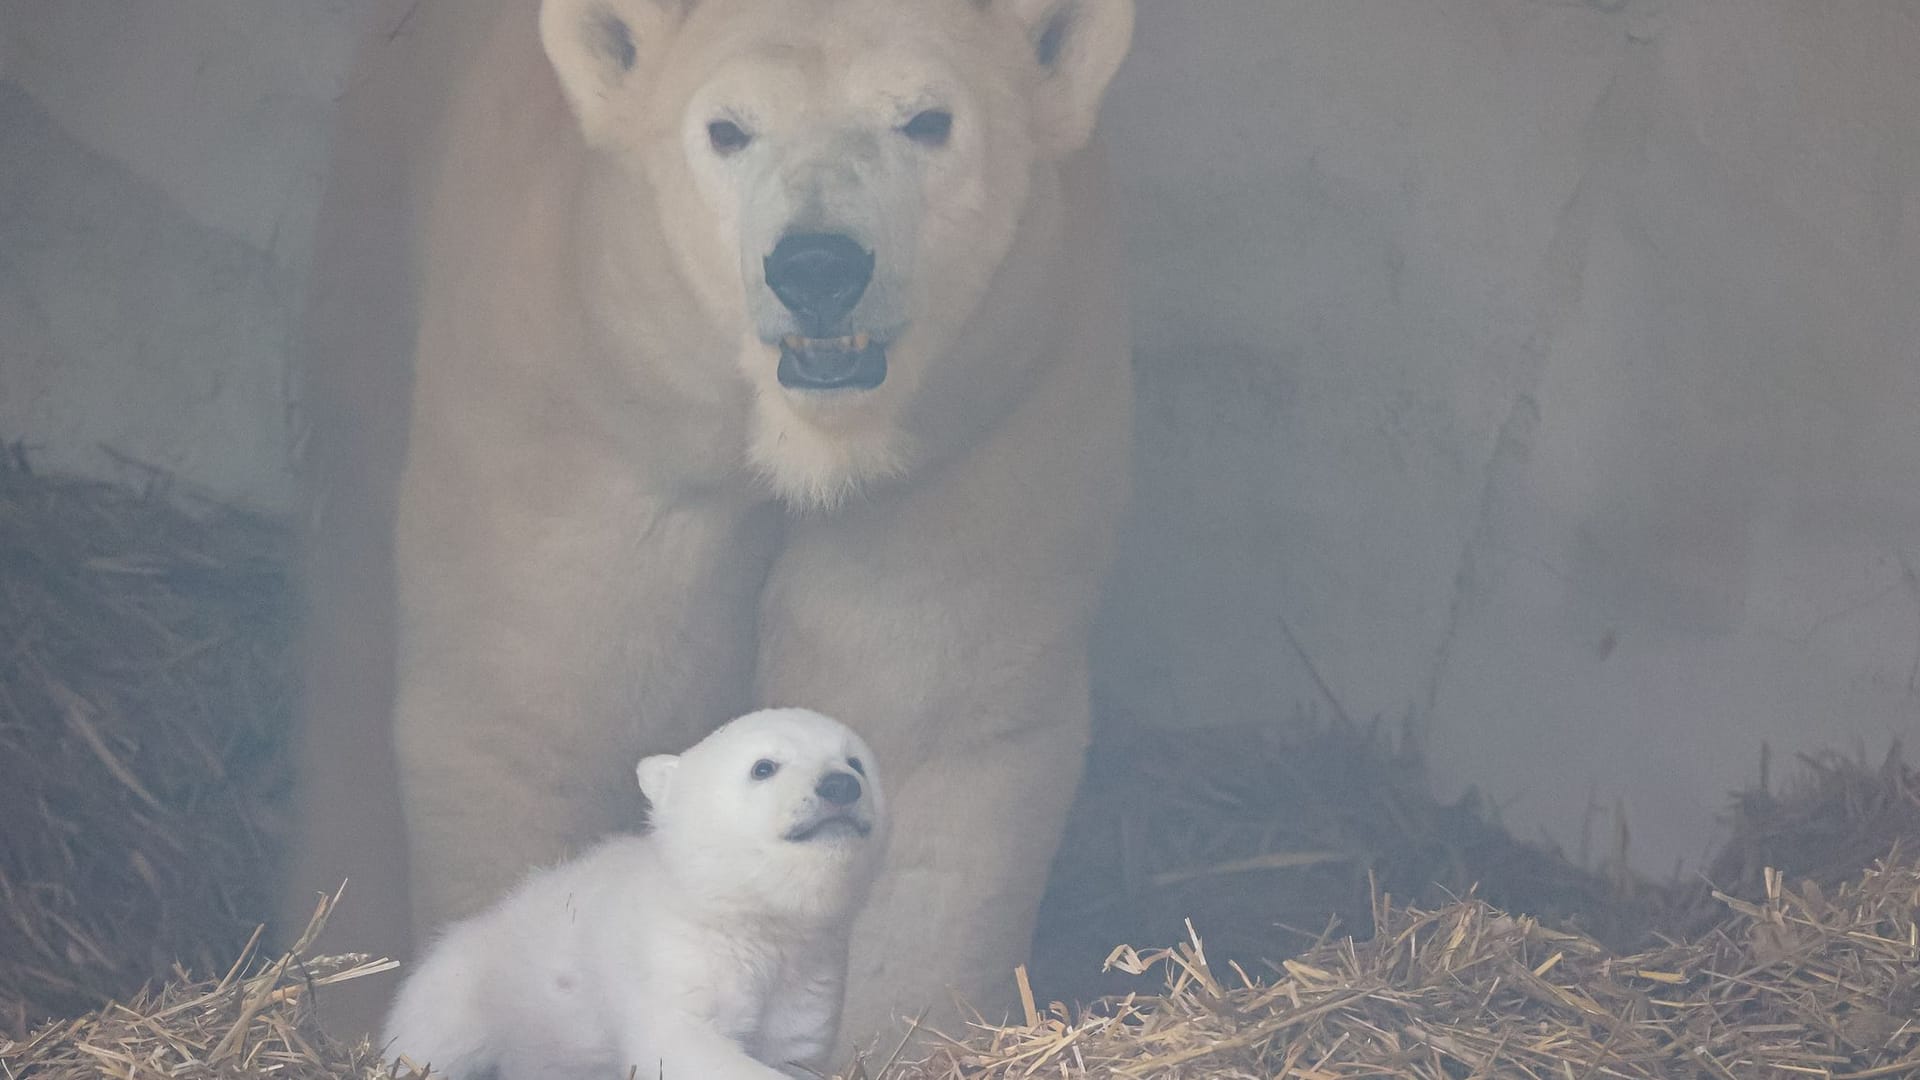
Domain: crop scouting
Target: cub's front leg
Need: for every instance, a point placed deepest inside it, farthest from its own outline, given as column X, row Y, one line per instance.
column 797, row 1029
column 549, row 638
column 665, row 1043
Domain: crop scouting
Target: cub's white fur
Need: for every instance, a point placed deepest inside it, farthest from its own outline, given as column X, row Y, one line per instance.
column 712, row 947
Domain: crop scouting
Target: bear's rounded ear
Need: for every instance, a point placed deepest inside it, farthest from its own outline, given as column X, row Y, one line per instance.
column 601, row 50
column 1079, row 45
column 656, row 777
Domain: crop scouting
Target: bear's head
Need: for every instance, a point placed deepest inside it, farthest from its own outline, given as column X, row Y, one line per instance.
column 779, row 811
column 841, row 183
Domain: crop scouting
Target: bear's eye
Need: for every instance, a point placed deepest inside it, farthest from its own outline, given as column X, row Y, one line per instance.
column 763, row 769
column 929, row 128
column 727, row 137
column 854, row 764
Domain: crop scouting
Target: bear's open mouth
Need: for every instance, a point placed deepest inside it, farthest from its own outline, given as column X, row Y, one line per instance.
column 832, row 825
column 854, row 362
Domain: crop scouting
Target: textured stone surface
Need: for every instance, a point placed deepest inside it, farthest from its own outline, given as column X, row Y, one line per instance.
column 1553, row 370
column 128, row 328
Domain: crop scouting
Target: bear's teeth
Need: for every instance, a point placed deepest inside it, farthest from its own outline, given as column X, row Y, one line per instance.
column 852, row 343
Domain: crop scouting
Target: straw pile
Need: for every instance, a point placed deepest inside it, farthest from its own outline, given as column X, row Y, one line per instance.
column 1804, row 983
column 1261, row 833
column 1835, row 815
column 251, row 1022
column 1814, row 971
column 143, row 698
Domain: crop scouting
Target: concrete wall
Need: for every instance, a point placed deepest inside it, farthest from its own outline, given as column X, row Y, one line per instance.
column 160, row 163
column 1552, row 370
column 1547, row 370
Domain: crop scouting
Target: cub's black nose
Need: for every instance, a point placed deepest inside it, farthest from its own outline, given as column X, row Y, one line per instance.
column 819, row 277
column 839, row 788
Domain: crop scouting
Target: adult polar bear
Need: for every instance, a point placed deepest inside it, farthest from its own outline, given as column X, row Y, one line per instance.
column 761, row 351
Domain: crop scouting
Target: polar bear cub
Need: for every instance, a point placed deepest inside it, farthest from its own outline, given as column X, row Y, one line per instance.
column 713, row 946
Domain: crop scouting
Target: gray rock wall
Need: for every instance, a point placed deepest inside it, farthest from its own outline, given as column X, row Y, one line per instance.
column 160, row 164
column 1552, row 370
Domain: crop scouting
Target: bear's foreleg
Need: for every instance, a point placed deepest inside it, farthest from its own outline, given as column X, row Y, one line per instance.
column 953, row 912
column 976, row 705
column 544, row 648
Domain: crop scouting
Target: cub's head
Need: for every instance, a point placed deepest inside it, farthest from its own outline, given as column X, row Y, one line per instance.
column 781, row 809
column 839, row 181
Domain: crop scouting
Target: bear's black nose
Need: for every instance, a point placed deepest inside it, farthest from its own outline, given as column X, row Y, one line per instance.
column 839, row 788
column 819, row 277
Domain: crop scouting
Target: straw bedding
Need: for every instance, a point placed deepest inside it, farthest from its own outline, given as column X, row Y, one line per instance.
column 144, row 693
column 1805, row 983
column 1261, row 833
column 1808, row 982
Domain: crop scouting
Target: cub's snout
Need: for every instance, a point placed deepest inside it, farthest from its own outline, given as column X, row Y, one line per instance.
column 839, row 812
column 839, row 788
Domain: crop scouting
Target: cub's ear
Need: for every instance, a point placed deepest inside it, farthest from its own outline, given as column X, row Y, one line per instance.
column 1078, row 44
column 602, row 49
column 656, row 777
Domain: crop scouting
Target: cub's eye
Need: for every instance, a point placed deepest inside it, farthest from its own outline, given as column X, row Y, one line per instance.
column 854, row 764
column 727, row 137
column 929, row 128
column 763, row 769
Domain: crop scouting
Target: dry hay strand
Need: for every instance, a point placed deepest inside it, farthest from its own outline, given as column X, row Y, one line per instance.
column 144, row 693
column 1835, row 814
column 1263, row 832
column 1271, row 835
column 255, row 1021
column 1805, row 983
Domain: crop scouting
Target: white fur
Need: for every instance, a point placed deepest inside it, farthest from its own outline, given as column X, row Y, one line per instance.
column 570, row 515
column 710, row 948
